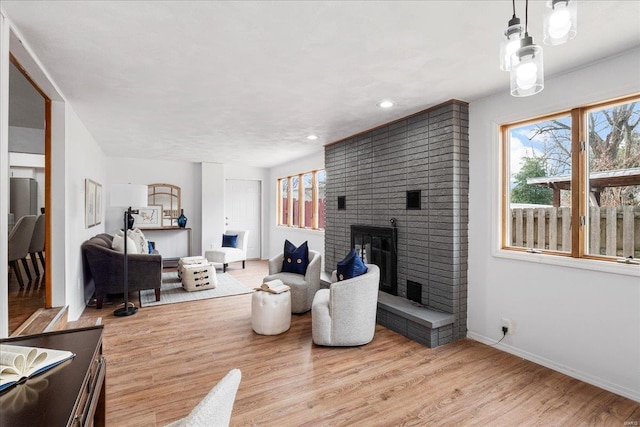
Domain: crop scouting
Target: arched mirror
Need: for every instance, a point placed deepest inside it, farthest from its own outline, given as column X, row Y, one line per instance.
column 168, row 197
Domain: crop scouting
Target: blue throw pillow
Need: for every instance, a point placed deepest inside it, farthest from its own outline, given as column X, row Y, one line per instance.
column 350, row 267
column 229, row 240
column 151, row 245
column 296, row 260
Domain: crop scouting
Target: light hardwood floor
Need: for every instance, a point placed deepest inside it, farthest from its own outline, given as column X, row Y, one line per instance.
column 163, row 360
column 23, row 302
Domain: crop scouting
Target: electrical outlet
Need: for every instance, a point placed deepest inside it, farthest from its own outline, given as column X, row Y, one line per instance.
column 506, row 323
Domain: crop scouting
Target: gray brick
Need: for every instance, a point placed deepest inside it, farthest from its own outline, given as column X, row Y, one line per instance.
column 427, row 151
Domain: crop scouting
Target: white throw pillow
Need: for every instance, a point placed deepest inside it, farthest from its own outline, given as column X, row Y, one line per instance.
column 139, row 239
column 118, row 244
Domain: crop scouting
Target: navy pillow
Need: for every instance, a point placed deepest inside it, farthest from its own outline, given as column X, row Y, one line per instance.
column 229, row 240
column 296, row 260
column 350, row 267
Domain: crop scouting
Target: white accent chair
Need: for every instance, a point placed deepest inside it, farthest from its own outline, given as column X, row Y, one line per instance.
column 226, row 255
column 303, row 288
column 345, row 314
column 216, row 407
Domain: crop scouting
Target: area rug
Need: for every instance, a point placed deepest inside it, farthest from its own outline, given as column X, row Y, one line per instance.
column 172, row 291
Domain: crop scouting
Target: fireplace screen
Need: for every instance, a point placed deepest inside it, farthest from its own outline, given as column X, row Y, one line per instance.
column 377, row 245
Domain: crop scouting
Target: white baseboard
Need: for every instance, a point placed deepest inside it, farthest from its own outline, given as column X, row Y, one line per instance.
column 582, row 376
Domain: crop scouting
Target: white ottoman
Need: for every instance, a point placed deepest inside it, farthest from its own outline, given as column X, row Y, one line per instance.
column 198, row 277
column 188, row 260
column 270, row 313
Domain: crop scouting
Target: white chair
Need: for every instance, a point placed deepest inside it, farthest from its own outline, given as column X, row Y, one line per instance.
column 303, row 288
column 345, row 314
column 37, row 244
column 226, row 255
column 216, row 407
column 19, row 241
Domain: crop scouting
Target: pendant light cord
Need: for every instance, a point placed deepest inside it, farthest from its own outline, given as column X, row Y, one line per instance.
column 526, row 18
column 514, row 8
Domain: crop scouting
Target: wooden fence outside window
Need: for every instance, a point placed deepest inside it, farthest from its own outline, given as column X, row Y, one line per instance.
column 616, row 233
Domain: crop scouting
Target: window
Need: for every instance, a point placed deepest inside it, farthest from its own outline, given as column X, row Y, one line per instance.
column 301, row 200
column 295, row 197
column 283, row 199
column 571, row 182
column 613, row 167
column 321, row 178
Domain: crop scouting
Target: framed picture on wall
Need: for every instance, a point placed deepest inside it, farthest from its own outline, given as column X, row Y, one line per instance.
column 89, row 203
column 98, row 204
column 148, row 217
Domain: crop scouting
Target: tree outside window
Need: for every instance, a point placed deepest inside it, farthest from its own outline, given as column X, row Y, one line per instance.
column 539, row 184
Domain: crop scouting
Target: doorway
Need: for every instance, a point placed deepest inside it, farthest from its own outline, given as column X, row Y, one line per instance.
column 29, row 146
column 243, row 211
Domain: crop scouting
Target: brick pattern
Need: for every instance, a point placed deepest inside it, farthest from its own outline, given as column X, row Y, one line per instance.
column 428, row 151
column 412, row 330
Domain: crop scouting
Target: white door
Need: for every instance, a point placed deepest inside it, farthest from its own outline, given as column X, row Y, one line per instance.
column 243, row 211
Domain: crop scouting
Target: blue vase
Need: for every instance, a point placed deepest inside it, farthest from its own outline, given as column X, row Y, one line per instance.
column 182, row 220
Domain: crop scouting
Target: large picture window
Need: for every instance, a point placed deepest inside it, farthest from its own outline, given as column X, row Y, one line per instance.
column 571, row 182
column 301, row 200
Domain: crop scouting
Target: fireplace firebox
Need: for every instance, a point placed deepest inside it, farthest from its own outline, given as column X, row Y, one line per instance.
column 378, row 245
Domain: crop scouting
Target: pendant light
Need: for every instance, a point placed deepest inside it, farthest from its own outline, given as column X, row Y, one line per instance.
column 560, row 21
column 511, row 42
column 527, row 71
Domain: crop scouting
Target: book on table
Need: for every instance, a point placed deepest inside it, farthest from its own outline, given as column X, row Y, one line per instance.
column 19, row 363
column 274, row 287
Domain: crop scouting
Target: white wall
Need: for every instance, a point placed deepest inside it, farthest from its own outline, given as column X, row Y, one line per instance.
column 83, row 159
column 212, row 205
column 579, row 317
column 26, row 140
column 142, row 171
column 4, row 172
column 277, row 235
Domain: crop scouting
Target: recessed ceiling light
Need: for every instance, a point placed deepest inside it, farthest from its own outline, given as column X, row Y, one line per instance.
column 312, row 137
column 386, row 104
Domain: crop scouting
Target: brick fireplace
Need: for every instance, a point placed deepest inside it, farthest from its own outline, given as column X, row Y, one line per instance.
column 410, row 175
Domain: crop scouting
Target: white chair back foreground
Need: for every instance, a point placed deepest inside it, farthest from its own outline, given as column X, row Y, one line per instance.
column 216, row 407
column 345, row 314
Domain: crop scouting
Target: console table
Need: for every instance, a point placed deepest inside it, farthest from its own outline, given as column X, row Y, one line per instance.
column 70, row 394
column 170, row 242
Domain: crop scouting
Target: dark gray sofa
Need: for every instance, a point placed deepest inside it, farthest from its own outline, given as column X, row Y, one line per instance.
column 106, row 268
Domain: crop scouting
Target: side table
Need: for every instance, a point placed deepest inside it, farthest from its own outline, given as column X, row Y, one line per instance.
column 71, row 394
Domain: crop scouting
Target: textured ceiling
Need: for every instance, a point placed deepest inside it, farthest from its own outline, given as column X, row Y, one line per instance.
column 248, row 81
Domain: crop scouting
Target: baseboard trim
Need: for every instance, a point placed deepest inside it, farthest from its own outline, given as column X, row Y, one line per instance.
column 582, row 376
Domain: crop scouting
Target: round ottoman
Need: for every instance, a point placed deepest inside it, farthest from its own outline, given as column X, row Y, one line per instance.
column 270, row 313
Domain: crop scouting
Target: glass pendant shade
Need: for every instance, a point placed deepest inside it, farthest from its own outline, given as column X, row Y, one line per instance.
column 527, row 71
column 510, row 43
column 560, row 21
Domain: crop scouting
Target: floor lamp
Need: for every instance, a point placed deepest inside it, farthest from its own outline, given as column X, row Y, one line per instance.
column 127, row 195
